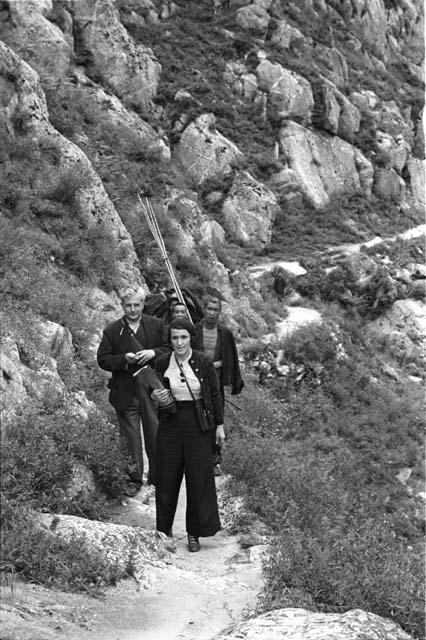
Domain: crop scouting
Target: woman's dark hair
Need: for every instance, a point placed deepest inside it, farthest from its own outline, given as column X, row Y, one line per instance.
column 181, row 323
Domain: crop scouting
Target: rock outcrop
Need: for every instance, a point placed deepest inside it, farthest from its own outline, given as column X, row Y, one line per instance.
column 299, row 624
column 249, row 211
column 206, row 153
column 324, row 165
column 130, row 70
column 26, row 28
column 129, row 551
column 402, row 332
column 24, row 109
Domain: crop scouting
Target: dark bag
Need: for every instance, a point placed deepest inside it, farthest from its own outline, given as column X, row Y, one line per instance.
column 203, row 419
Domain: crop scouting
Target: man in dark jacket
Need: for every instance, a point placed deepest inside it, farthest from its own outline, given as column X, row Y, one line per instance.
column 127, row 345
column 217, row 343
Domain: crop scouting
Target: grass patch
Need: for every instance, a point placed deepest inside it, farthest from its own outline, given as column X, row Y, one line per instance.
column 300, row 231
column 317, row 463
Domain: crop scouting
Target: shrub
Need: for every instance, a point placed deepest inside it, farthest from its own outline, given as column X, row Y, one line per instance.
column 310, row 345
column 39, row 453
column 35, row 554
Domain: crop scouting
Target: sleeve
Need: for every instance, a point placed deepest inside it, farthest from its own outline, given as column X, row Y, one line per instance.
column 238, row 383
column 215, row 395
column 234, row 366
column 107, row 359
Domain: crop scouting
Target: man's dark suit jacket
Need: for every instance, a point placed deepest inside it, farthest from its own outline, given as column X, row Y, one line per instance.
column 117, row 340
column 226, row 350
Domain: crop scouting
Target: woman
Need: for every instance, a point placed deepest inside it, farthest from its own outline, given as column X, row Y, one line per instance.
column 184, row 441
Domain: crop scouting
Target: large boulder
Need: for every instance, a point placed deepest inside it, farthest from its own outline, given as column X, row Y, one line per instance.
column 335, row 113
column 389, row 118
column 253, row 18
column 289, row 94
column 299, row 624
column 387, row 184
column 284, row 36
column 211, row 233
column 336, row 67
column 249, row 211
column 36, row 357
column 130, row 70
column 204, row 152
column 26, row 29
column 28, row 376
column 324, row 165
column 130, row 550
column 22, row 98
column 417, row 170
column 402, row 332
column 53, row 339
column 219, row 279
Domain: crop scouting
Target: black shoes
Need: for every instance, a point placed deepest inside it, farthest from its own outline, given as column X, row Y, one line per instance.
column 193, row 544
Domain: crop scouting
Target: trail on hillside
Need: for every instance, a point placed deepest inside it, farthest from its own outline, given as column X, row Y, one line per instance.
column 193, row 598
column 336, row 251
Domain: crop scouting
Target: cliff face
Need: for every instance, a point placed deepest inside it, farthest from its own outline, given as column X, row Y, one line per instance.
column 231, row 116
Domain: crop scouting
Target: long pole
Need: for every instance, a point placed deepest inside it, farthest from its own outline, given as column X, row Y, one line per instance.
column 156, row 233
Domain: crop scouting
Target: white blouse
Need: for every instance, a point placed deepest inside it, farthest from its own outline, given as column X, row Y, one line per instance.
column 178, row 386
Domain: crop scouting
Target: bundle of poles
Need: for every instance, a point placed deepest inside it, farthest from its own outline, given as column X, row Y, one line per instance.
column 152, row 222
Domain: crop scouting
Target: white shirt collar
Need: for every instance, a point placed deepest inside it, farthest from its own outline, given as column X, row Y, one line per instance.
column 182, row 362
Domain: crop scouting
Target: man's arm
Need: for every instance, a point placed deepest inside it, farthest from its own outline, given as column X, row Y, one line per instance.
column 107, row 359
column 230, row 363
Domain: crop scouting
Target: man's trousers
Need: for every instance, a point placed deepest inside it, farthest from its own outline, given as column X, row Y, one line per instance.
column 142, row 409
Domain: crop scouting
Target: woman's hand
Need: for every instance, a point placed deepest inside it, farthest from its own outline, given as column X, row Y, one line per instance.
column 220, row 436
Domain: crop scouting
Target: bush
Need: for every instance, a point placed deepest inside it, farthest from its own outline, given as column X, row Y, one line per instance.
column 34, row 554
column 39, row 454
column 310, row 346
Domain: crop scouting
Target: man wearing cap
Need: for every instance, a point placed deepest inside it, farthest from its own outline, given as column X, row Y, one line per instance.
column 128, row 344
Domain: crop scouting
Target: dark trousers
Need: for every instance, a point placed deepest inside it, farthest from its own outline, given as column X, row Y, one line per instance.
column 142, row 409
column 183, row 448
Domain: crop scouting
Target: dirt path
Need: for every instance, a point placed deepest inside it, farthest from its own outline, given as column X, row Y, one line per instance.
column 191, row 599
column 257, row 270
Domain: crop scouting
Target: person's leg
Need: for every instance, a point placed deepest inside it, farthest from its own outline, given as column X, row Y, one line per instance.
column 129, row 423
column 149, row 416
column 169, row 453
column 202, row 517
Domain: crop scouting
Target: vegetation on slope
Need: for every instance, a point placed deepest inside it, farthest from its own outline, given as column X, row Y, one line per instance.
column 317, row 462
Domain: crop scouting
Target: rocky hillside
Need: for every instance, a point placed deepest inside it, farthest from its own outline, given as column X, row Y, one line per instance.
column 281, row 145
column 256, row 128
